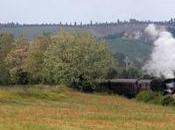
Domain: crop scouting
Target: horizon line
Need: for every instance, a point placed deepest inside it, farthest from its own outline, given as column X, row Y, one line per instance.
column 91, row 22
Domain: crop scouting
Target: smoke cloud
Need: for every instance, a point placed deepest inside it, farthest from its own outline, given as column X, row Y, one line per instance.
column 162, row 62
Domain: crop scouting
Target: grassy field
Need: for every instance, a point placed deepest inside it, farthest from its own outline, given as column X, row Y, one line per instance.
column 60, row 108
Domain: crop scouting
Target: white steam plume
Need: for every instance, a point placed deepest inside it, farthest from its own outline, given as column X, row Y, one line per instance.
column 162, row 62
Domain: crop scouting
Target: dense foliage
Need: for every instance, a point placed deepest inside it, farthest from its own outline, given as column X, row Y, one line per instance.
column 6, row 44
column 156, row 98
column 149, row 97
column 35, row 57
column 16, row 60
column 168, row 101
column 77, row 59
column 4, row 74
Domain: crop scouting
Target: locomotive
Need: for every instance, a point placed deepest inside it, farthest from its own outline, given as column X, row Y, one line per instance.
column 169, row 86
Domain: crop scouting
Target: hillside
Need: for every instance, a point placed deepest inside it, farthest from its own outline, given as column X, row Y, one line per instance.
column 66, row 109
column 102, row 30
column 99, row 30
column 135, row 50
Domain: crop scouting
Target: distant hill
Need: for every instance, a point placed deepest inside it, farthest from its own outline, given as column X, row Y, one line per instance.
column 102, row 30
column 99, row 30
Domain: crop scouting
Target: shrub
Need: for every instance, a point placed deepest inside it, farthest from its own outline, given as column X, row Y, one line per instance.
column 168, row 101
column 145, row 96
column 150, row 97
column 22, row 77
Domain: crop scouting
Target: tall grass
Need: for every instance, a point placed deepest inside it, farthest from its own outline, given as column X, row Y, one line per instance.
column 32, row 92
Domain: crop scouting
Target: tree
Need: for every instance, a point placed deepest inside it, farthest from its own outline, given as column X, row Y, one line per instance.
column 16, row 60
column 74, row 58
column 6, row 44
column 35, row 59
column 131, row 72
column 4, row 74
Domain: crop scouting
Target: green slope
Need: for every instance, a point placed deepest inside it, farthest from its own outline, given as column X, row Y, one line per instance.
column 133, row 49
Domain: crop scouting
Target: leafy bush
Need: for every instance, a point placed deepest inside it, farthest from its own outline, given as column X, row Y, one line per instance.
column 150, row 97
column 168, row 101
column 22, row 77
column 155, row 98
column 145, row 96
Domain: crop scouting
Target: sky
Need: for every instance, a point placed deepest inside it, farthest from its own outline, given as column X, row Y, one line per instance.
column 54, row 11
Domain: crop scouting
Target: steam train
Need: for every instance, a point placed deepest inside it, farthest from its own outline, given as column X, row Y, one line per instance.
column 169, row 86
column 131, row 87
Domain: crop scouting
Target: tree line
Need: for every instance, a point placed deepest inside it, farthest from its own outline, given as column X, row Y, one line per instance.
column 67, row 58
column 73, row 59
column 93, row 23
